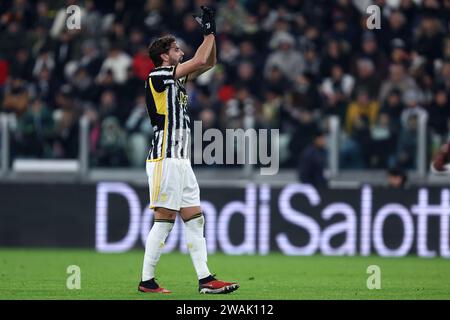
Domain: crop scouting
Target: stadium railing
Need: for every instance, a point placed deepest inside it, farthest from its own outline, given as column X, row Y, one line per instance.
column 79, row 169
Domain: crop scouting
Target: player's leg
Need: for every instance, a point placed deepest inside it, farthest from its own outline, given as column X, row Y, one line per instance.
column 194, row 222
column 165, row 200
column 164, row 220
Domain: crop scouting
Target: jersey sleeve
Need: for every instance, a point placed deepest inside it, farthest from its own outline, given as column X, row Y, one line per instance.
column 162, row 77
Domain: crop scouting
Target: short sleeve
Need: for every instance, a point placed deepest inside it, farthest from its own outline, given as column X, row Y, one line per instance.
column 162, row 77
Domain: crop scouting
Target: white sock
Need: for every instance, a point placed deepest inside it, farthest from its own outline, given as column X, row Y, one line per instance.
column 196, row 244
column 154, row 246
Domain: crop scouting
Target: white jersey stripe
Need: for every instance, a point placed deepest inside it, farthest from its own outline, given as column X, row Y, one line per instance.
column 161, row 73
column 174, row 126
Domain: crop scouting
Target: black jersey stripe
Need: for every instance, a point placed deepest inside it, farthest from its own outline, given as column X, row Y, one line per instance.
column 170, row 124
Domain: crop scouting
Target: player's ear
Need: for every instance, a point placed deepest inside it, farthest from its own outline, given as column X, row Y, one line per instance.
column 165, row 57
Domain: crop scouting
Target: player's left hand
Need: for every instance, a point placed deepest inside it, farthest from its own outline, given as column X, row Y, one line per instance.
column 207, row 21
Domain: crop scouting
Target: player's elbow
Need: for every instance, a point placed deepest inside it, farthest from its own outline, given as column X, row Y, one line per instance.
column 200, row 62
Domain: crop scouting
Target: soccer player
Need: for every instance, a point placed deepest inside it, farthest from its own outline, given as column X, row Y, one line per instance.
column 173, row 186
column 441, row 161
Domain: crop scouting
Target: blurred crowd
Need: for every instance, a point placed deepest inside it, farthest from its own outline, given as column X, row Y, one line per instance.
column 288, row 64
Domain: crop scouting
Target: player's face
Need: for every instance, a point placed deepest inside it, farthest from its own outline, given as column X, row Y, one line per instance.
column 175, row 54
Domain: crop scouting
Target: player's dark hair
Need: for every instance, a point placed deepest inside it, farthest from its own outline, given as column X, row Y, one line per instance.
column 158, row 47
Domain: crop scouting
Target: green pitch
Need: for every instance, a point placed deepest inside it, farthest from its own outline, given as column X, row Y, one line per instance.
column 42, row 274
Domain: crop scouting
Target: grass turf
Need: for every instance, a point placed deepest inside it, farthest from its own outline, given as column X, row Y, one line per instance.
column 41, row 274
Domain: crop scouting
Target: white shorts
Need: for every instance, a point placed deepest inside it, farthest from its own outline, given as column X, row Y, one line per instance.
column 172, row 184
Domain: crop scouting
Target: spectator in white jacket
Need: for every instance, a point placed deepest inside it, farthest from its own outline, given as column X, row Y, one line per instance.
column 285, row 57
column 118, row 62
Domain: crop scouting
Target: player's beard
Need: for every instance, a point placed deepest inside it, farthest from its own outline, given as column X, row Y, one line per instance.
column 174, row 62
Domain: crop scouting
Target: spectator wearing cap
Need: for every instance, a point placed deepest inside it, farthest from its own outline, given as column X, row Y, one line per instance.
column 285, row 57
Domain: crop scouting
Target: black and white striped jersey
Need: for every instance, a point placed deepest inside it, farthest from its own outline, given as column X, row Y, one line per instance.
column 167, row 110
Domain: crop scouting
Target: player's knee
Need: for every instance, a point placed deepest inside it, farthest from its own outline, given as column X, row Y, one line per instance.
column 165, row 214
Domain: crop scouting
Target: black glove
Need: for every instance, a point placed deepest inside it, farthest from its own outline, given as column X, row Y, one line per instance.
column 206, row 21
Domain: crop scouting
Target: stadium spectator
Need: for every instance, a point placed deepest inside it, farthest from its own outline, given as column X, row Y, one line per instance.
column 366, row 78
column 396, row 29
column 397, row 178
column 230, row 16
column 362, row 107
column 370, row 50
column 407, row 144
column 118, row 62
column 398, row 79
column 412, row 100
column 312, row 161
column 440, row 112
column 34, row 137
column 139, row 131
column 337, row 90
column 393, row 107
column 16, row 96
column 111, row 151
column 285, row 57
column 383, row 143
column 66, row 139
column 307, row 59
